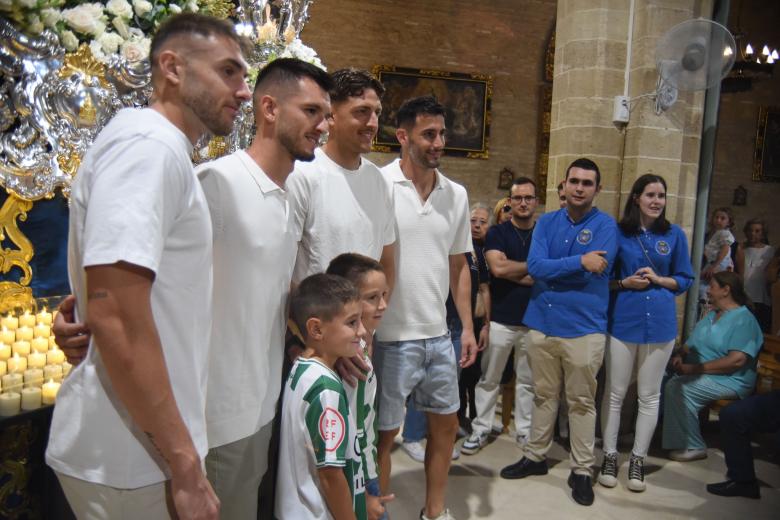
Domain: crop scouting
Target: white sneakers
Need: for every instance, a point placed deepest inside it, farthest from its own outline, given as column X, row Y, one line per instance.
column 474, row 443
column 444, row 515
column 416, row 450
column 687, row 455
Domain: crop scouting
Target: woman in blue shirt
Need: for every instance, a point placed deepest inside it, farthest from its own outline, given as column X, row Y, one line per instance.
column 720, row 364
column 651, row 268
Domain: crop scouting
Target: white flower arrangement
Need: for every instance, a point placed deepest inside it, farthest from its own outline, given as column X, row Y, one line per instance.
column 110, row 27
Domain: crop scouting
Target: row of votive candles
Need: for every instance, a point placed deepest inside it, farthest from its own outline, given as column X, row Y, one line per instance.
column 31, row 365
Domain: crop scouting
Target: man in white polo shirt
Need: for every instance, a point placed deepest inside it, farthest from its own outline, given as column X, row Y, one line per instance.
column 255, row 243
column 414, row 355
column 128, row 434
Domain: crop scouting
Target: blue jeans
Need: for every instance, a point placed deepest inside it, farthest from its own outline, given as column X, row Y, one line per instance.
column 415, row 422
column 372, row 488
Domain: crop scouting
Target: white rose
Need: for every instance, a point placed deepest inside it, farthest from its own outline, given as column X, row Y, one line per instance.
column 69, row 40
column 121, row 27
column 97, row 51
column 85, row 18
column 29, row 4
column 34, row 24
column 120, row 8
column 135, row 34
column 110, row 42
column 136, row 50
column 192, row 5
column 174, row 9
column 141, row 7
column 50, row 17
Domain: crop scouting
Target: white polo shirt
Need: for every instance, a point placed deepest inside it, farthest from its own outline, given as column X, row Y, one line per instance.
column 427, row 234
column 136, row 200
column 339, row 211
column 255, row 241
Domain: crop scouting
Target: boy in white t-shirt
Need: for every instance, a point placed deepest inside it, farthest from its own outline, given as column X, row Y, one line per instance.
column 320, row 475
column 369, row 277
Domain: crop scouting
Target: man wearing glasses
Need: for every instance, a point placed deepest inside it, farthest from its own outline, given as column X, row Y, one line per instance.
column 506, row 250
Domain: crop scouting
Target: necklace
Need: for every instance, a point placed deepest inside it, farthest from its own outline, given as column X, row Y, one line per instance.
column 523, row 236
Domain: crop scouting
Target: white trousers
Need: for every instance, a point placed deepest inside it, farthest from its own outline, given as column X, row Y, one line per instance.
column 651, row 360
column 504, row 338
column 91, row 501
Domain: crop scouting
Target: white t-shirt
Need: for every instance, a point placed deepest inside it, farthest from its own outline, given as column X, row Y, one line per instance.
column 255, row 243
column 339, row 211
column 137, row 200
column 756, row 261
column 428, row 234
column 317, row 431
column 362, row 406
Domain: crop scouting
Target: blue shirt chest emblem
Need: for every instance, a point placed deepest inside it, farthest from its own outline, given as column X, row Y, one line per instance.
column 585, row 236
column 662, row 247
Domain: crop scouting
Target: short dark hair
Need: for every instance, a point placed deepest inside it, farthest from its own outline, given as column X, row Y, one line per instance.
column 522, row 180
column 630, row 224
column 354, row 267
column 733, row 281
column 411, row 108
column 283, row 71
column 585, row 164
column 560, row 186
column 321, row 296
column 191, row 24
column 764, row 230
column 729, row 213
column 353, row 82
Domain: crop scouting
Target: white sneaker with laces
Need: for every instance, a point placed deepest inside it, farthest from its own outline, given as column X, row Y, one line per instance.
column 444, row 515
column 474, row 443
column 455, row 452
column 415, row 450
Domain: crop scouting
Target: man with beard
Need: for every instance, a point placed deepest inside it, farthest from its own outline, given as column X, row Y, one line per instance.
column 414, row 355
column 255, row 243
column 128, row 434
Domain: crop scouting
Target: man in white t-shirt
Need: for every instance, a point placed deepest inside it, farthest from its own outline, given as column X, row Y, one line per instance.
column 414, row 355
column 255, row 243
column 342, row 202
column 129, row 426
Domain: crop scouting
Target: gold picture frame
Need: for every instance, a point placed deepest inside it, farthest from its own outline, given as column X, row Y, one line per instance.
column 766, row 158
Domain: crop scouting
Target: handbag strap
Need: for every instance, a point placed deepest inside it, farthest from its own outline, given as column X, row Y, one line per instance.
column 652, row 264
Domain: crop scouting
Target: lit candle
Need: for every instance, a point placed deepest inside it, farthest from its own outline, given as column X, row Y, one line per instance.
column 7, row 336
column 22, row 348
column 10, row 322
column 33, row 377
column 27, row 320
column 36, row 360
column 5, row 351
column 44, row 317
column 17, row 364
column 53, row 372
column 55, row 356
column 10, row 403
column 66, row 369
column 41, row 331
column 24, row 333
column 49, row 392
column 31, row 398
column 3, row 368
column 12, row 382
column 40, row 344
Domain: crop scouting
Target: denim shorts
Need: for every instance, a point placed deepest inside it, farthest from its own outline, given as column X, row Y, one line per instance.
column 424, row 370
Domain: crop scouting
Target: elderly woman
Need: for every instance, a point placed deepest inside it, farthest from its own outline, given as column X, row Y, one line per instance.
column 720, row 364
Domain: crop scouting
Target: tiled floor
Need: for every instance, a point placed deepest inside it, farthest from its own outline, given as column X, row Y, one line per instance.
column 674, row 490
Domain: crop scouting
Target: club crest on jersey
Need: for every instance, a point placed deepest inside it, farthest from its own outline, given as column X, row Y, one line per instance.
column 332, row 428
column 662, row 247
column 585, row 236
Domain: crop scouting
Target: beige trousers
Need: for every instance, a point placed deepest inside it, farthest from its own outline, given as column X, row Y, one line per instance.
column 91, row 501
column 235, row 471
column 573, row 362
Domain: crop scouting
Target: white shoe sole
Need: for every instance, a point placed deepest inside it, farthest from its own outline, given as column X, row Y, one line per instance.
column 637, row 486
column 607, row 481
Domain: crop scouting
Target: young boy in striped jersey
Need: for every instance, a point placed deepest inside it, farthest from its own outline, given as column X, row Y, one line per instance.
column 320, row 475
column 369, row 277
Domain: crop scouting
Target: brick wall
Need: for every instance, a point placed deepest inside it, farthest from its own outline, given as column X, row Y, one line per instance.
column 503, row 38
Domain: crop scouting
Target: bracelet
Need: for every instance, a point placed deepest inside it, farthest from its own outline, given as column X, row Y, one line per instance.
column 620, row 284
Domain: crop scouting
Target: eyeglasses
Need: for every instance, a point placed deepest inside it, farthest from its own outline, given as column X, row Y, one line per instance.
column 527, row 198
column 507, row 208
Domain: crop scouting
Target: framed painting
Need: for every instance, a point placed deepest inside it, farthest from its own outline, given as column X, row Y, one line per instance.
column 466, row 98
column 766, row 158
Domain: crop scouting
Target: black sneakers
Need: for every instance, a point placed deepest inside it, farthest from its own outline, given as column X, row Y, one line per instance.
column 636, row 473
column 609, row 470
column 525, row 467
column 581, row 488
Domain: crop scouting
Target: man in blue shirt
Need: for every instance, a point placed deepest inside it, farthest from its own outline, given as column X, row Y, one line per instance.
column 571, row 251
column 506, row 250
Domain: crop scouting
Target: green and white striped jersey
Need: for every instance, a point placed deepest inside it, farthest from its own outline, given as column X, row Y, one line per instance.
column 317, row 431
column 362, row 406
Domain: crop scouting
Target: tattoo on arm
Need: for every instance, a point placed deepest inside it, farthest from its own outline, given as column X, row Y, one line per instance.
column 97, row 295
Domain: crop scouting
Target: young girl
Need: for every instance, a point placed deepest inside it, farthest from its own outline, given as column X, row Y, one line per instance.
column 651, row 268
column 753, row 257
column 369, row 277
column 717, row 251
